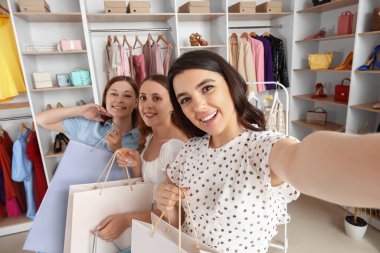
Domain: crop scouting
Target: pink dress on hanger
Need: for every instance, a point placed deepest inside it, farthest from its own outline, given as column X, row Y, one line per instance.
column 147, row 51
column 124, row 69
column 167, row 60
column 139, row 66
column 156, row 59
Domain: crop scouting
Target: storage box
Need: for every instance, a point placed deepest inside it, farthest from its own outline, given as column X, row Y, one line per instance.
column 69, row 45
column 195, row 7
column 115, row 10
column 243, row 7
column 114, row 4
column 270, row 7
column 138, row 7
column 316, row 116
column 42, row 80
column 33, row 6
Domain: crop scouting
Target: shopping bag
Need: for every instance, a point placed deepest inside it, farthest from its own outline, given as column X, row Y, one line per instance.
column 106, row 198
column 80, row 164
column 164, row 238
column 345, row 23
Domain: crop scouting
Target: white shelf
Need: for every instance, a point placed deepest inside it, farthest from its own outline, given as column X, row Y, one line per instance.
column 369, row 33
column 366, row 107
column 329, row 100
column 334, row 37
column 14, row 105
column 128, row 17
column 49, row 17
column 256, row 16
column 330, row 126
column 322, row 70
column 201, row 47
column 334, row 4
column 199, row 16
column 14, row 225
column 56, row 52
column 56, row 88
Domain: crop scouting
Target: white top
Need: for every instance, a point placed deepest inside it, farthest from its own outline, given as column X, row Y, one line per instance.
column 234, row 205
column 155, row 171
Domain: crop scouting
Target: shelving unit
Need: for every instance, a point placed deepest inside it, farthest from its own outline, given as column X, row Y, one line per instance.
column 322, row 70
column 337, row 4
column 330, row 126
column 329, row 100
column 56, row 88
column 56, row 53
column 128, row 17
column 14, row 105
column 256, row 16
column 366, row 107
column 333, row 37
column 49, row 17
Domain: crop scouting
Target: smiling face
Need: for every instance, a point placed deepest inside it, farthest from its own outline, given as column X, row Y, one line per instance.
column 154, row 104
column 205, row 100
column 121, row 99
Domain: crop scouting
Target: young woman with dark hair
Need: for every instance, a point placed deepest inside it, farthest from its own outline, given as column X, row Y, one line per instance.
column 159, row 144
column 237, row 175
column 90, row 123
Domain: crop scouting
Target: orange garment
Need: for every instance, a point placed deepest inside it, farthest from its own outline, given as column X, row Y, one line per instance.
column 12, row 81
column 14, row 191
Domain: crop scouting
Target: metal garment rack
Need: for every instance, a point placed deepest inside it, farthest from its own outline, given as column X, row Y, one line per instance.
column 283, row 246
column 162, row 29
column 255, row 27
column 16, row 118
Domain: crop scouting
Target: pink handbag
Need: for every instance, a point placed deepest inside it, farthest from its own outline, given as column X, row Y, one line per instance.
column 69, row 45
column 345, row 23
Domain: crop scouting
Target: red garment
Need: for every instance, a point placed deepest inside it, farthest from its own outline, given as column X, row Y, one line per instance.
column 14, row 191
column 39, row 179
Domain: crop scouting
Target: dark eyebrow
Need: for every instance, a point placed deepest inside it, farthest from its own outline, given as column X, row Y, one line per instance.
column 126, row 91
column 198, row 86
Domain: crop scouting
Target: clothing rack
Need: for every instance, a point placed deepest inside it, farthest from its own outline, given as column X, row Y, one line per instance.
column 255, row 27
column 132, row 30
column 16, row 118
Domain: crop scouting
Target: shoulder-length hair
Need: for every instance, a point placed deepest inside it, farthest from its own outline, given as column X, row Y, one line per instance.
column 135, row 113
column 247, row 115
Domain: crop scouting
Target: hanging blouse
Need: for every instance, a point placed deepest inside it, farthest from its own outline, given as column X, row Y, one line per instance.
column 39, row 178
column 139, row 66
column 234, row 51
column 156, row 59
column 12, row 81
column 268, row 70
column 246, row 65
column 14, row 191
column 167, row 60
column 147, row 52
column 22, row 172
column 124, row 69
column 258, row 57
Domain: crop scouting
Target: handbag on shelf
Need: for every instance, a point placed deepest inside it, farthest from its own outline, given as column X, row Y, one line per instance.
column 342, row 91
column 317, row 116
column 320, row 61
column 345, row 23
column 80, row 77
column 63, row 80
column 375, row 25
column 69, row 45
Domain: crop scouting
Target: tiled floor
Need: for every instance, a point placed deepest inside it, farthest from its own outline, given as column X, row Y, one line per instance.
column 316, row 227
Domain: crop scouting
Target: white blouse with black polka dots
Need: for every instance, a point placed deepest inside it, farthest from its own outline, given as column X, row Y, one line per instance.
column 234, row 206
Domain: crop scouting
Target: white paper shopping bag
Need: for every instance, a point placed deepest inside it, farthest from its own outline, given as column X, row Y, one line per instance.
column 90, row 206
column 164, row 239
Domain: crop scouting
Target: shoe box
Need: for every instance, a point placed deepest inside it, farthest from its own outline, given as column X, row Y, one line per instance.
column 33, row 6
column 115, row 6
column 243, row 7
column 270, row 7
column 195, row 7
column 138, row 7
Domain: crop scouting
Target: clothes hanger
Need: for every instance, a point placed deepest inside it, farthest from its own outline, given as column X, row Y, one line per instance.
column 125, row 41
column 4, row 9
column 244, row 35
column 115, row 39
column 109, row 40
column 22, row 126
column 161, row 37
column 150, row 38
column 266, row 34
column 1, row 132
column 137, row 41
column 253, row 34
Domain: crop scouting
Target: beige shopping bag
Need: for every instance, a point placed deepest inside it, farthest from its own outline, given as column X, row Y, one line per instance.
column 160, row 236
column 89, row 204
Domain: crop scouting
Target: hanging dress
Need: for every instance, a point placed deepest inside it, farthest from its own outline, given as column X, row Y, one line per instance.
column 167, row 60
column 147, row 52
column 156, row 59
column 139, row 66
column 39, row 178
column 22, row 172
column 14, row 191
column 12, row 81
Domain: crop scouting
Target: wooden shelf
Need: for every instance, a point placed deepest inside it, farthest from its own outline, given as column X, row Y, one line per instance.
column 328, row 100
column 128, row 17
column 49, row 17
column 366, row 107
column 335, row 37
column 367, row 71
column 336, row 4
column 199, row 16
column 370, row 33
column 256, row 16
column 14, row 105
column 55, row 88
column 200, row 47
column 330, row 126
column 12, row 225
column 324, row 70
column 57, row 52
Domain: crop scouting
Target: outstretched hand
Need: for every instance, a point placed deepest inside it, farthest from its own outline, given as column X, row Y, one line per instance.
column 93, row 112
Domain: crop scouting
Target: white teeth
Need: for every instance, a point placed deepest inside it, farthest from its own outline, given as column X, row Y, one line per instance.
column 209, row 117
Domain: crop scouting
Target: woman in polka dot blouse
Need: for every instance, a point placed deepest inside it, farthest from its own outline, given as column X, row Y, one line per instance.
column 237, row 175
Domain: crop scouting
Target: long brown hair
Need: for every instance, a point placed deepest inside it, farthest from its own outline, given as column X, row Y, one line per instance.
column 248, row 115
column 143, row 128
column 135, row 114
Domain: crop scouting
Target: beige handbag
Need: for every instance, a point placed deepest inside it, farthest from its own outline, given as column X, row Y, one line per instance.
column 320, row 61
column 317, row 116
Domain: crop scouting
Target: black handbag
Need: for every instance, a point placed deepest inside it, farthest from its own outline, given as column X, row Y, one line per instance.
column 319, row 2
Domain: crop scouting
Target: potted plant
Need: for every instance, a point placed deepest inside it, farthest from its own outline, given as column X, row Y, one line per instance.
column 354, row 225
